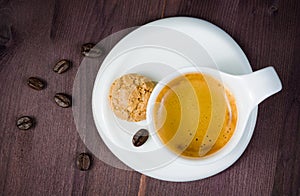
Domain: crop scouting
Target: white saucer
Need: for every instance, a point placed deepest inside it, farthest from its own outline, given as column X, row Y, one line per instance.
column 156, row 50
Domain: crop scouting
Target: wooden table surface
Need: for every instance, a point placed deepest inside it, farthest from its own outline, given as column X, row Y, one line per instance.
column 41, row 161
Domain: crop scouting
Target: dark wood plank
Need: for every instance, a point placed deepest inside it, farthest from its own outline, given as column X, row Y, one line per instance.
column 287, row 176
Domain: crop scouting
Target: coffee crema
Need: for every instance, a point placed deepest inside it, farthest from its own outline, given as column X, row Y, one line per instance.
column 195, row 115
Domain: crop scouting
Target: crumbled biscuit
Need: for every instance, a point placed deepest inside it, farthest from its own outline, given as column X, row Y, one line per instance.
column 129, row 96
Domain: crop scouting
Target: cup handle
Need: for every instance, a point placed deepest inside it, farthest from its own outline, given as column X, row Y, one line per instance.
column 262, row 84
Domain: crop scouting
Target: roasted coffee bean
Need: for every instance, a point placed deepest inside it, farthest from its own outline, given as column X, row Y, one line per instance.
column 36, row 83
column 83, row 161
column 62, row 100
column 91, row 50
column 62, row 66
column 86, row 48
column 140, row 137
column 25, row 122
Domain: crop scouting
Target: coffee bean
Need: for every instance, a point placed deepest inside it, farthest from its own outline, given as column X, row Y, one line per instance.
column 91, row 50
column 25, row 122
column 36, row 83
column 62, row 100
column 62, row 66
column 140, row 137
column 83, row 161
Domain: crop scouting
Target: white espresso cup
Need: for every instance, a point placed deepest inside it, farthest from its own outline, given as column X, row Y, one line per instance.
column 248, row 91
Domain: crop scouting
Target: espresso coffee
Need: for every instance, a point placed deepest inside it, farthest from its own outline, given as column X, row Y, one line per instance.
column 195, row 115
